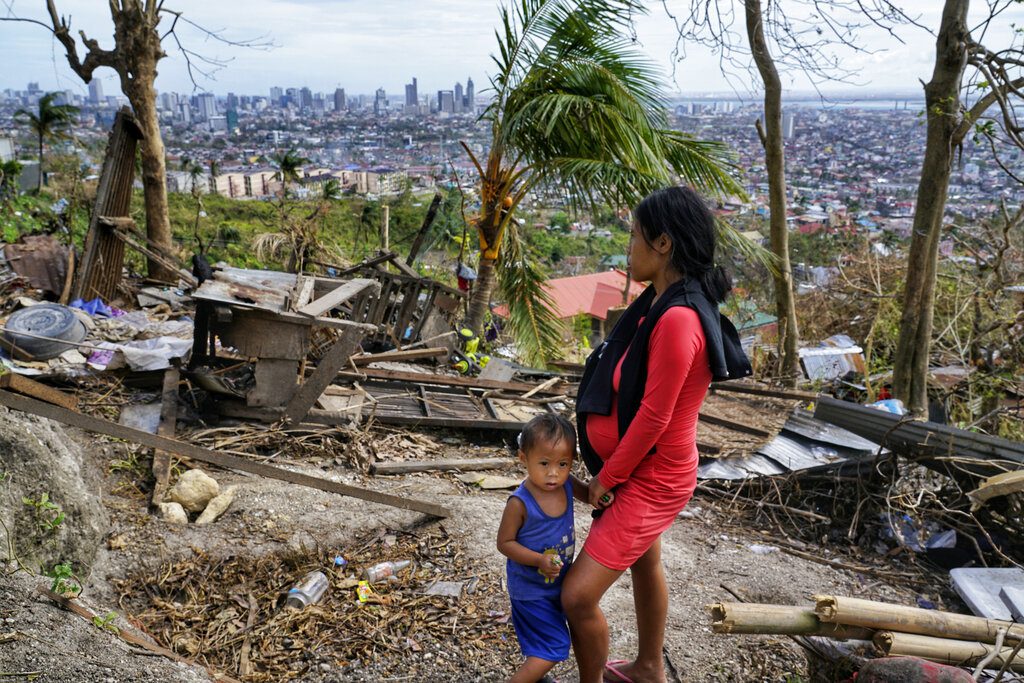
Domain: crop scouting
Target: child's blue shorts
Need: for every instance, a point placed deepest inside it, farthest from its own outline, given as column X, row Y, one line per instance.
column 541, row 628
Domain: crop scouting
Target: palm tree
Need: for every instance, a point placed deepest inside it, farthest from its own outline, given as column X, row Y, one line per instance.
column 288, row 165
column 577, row 108
column 51, row 122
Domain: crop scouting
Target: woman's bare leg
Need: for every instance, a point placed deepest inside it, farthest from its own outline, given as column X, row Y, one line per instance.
column 650, row 597
column 584, row 585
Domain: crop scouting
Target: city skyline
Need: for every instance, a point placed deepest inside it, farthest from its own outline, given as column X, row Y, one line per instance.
column 328, row 44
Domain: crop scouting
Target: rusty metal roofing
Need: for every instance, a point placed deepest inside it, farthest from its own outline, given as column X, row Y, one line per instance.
column 269, row 290
column 40, row 259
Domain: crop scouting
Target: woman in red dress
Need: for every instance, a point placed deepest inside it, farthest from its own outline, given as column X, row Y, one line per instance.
column 637, row 420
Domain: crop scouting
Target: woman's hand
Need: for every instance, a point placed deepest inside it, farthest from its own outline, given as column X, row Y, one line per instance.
column 599, row 497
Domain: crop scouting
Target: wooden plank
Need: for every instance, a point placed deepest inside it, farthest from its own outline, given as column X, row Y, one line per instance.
column 458, row 464
column 735, row 426
column 186, row 450
column 449, row 422
column 326, row 371
column 168, row 423
column 303, row 292
column 738, row 388
column 341, row 294
column 454, row 381
column 412, row 354
column 29, row 387
column 152, row 255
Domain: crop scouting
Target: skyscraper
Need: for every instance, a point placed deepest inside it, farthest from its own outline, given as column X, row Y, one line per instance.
column 470, row 96
column 96, row 90
column 445, row 102
column 380, row 102
column 459, row 98
column 307, row 98
column 275, row 96
column 411, row 96
column 207, row 106
column 339, row 100
column 788, row 121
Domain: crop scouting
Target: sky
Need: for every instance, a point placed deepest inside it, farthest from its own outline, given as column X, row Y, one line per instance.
column 361, row 45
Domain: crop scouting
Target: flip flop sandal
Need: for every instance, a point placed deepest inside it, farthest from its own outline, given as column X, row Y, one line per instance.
column 612, row 673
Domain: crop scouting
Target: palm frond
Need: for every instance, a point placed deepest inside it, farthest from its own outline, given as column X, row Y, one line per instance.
column 730, row 239
column 271, row 245
column 531, row 311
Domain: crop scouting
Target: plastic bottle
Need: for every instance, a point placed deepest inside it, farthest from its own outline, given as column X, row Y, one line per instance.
column 308, row 591
column 379, row 572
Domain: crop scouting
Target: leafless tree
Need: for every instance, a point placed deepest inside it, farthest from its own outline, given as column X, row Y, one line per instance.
column 138, row 48
column 969, row 82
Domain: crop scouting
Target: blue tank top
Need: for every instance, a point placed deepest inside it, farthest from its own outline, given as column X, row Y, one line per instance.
column 543, row 534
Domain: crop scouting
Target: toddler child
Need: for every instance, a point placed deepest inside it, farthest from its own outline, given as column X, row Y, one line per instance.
column 536, row 535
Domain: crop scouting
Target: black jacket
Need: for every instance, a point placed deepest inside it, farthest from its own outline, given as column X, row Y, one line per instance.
column 725, row 356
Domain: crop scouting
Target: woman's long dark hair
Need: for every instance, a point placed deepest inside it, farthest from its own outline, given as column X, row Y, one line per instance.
column 684, row 216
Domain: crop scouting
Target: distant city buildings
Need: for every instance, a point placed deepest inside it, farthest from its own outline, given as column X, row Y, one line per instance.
column 96, row 91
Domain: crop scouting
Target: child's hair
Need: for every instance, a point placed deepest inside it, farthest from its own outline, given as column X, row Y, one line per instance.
column 547, row 427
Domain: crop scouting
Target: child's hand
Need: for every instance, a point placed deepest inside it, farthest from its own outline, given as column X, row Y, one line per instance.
column 550, row 565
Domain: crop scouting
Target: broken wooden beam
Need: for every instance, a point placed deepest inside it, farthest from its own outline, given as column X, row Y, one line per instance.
column 413, row 354
column 740, row 388
column 101, row 426
column 338, row 296
column 457, row 464
column 168, row 422
column 325, row 372
column 29, row 387
column 454, row 381
column 735, row 426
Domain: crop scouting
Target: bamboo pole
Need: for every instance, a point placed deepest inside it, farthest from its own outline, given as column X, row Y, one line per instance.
column 740, row 617
column 944, row 650
column 882, row 616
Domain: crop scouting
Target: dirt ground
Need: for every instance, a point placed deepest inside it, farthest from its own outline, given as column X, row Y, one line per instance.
column 703, row 554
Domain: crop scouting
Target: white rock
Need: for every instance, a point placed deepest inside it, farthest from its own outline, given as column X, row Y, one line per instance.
column 173, row 513
column 194, row 490
column 217, row 507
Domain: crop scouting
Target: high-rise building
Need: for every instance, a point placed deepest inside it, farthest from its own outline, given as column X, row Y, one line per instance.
column 307, row 98
column 412, row 98
column 339, row 100
column 207, row 106
column 445, row 102
column 231, row 102
column 788, row 122
column 33, row 89
column 470, row 96
column 96, row 91
column 275, row 96
column 380, row 102
column 459, row 97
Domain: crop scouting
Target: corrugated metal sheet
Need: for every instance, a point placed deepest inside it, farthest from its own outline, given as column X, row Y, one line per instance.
column 803, row 444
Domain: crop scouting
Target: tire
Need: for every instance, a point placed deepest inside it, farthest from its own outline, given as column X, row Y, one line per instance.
column 45, row 320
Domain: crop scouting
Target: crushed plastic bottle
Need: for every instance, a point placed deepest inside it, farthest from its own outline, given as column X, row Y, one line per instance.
column 308, row 591
column 385, row 570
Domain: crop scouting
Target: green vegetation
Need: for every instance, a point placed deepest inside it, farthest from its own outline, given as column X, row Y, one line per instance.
column 64, row 582
column 48, row 515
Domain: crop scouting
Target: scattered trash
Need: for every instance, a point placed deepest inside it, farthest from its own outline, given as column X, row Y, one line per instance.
column 759, row 549
column 451, row 589
column 384, row 570
column 890, row 405
column 363, row 591
column 308, row 591
column 43, row 331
